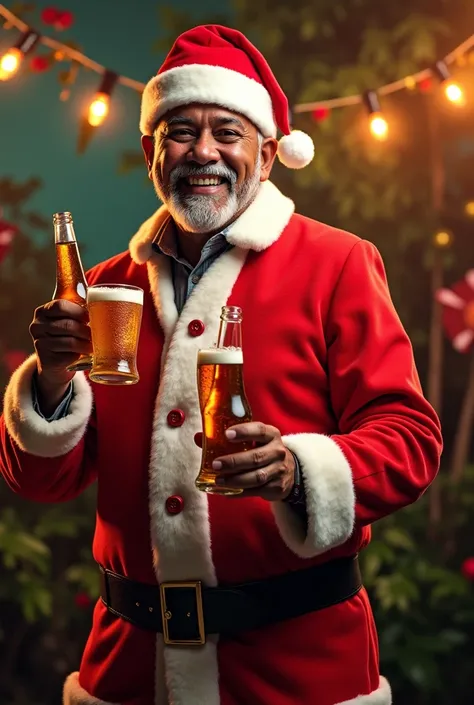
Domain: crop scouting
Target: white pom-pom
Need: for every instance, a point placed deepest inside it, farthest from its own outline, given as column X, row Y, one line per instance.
column 296, row 150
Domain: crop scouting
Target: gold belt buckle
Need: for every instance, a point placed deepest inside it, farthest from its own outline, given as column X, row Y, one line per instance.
column 167, row 615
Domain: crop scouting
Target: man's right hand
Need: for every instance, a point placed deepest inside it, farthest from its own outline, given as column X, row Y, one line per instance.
column 60, row 334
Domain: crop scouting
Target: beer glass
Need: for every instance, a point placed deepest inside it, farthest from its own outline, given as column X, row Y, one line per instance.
column 222, row 399
column 115, row 315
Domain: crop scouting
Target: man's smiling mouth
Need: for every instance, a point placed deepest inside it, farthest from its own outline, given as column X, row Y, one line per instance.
column 205, row 180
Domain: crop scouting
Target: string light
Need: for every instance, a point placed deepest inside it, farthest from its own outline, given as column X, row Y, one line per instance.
column 10, row 61
column 99, row 108
column 452, row 90
column 378, row 124
column 443, row 239
column 469, row 209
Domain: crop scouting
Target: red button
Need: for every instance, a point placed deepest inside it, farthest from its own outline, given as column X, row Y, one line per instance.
column 196, row 328
column 174, row 504
column 175, row 418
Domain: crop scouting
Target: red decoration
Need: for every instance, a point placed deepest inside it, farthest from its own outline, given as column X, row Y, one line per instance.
column 50, row 15
column 82, row 600
column 64, row 21
column 38, row 64
column 320, row 114
column 458, row 312
column 425, row 85
column 12, row 359
column 7, row 233
column 59, row 19
column 467, row 569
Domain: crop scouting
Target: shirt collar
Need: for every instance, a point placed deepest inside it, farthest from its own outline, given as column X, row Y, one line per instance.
column 165, row 241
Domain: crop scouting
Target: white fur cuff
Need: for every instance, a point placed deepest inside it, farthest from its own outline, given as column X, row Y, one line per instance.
column 32, row 433
column 330, row 498
column 74, row 693
column 381, row 696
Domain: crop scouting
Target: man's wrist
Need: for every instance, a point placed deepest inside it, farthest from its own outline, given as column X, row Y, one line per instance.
column 49, row 396
column 297, row 495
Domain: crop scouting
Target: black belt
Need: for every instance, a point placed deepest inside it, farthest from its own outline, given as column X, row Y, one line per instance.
column 186, row 611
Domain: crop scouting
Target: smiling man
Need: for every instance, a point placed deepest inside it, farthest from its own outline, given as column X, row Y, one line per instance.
column 261, row 593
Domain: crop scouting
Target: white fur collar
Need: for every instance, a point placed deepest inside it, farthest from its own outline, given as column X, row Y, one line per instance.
column 257, row 228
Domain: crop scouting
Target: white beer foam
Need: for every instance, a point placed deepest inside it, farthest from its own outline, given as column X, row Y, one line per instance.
column 106, row 293
column 220, row 356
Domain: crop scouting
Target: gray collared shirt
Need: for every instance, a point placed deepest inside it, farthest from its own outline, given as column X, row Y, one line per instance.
column 185, row 276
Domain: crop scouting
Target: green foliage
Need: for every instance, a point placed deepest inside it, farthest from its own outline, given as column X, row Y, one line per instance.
column 45, row 555
column 28, row 272
column 424, row 607
column 29, row 568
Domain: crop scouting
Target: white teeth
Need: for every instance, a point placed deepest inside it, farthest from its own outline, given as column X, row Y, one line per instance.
column 212, row 181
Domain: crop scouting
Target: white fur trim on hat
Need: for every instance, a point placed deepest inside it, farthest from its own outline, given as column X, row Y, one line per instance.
column 330, row 497
column 209, row 85
column 32, row 433
column 381, row 696
column 296, row 150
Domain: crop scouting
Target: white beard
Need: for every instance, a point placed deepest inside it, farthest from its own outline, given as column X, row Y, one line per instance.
column 204, row 214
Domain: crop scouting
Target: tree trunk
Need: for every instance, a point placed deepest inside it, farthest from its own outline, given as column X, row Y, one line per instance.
column 464, row 429
column 435, row 365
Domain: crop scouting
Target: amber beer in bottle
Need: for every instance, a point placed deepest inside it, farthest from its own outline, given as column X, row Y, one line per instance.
column 71, row 282
column 222, row 398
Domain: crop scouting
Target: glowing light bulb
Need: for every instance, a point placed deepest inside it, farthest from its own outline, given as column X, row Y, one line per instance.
column 10, row 63
column 443, row 238
column 99, row 109
column 469, row 209
column 378, row 126
column 454, row 93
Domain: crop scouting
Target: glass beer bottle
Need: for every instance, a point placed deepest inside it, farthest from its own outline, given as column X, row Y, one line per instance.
column 222, row 398
column 71, row 282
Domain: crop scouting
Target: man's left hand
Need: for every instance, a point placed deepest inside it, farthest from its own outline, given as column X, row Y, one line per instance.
column 267, row 471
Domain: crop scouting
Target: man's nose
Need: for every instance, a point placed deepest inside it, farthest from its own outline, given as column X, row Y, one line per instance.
column 204, row 150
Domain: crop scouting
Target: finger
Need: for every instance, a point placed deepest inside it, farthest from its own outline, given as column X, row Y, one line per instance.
column 252, row 431
column 248, row 480
column 258, row 457
column 268, row 485
column 61, row 327
column 61, row 308
column 59, row 361
column 272, row 492
column 62, row 344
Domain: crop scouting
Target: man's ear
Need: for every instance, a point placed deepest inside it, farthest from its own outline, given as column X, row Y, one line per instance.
column 148, row 146
column 269, row 150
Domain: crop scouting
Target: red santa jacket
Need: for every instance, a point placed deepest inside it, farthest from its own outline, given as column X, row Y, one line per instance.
column 328, row 363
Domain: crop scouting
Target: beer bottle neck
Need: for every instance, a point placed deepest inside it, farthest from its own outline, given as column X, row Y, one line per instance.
column 230, row 330
column 63, row 228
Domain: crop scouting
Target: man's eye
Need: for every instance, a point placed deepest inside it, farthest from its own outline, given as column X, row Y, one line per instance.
column 182, row 132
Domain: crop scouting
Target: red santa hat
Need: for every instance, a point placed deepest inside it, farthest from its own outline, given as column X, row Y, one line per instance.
column 217, row 65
